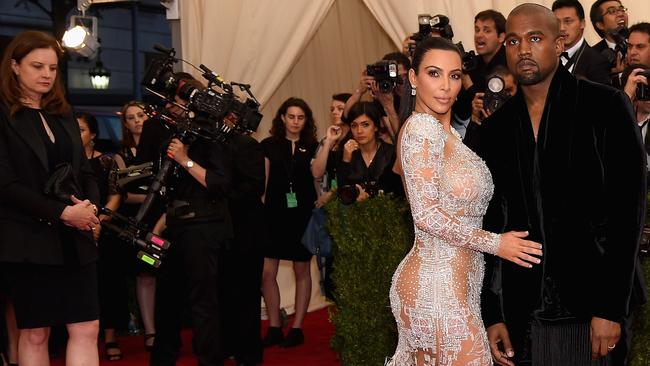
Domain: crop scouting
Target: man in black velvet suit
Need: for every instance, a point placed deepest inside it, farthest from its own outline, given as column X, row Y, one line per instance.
column 578, row 57
column 568, row 167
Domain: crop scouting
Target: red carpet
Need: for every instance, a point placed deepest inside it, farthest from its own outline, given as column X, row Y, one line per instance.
column 315, row 352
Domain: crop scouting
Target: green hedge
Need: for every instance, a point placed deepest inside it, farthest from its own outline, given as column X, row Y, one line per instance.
column 370, row 240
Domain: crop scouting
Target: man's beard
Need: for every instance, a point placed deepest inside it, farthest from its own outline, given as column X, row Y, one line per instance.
column 530, row 79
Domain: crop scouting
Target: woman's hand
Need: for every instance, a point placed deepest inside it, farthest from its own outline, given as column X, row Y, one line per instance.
column 178, row 151
column 323, row 199
column 350, row 146
column 334, row 133
column 81, row 215
column 514, row 248
column 363, row 195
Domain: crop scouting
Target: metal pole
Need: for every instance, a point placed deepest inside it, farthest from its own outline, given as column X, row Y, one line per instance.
column 137, row 91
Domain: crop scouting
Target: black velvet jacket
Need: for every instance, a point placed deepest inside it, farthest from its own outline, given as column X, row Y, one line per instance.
column 30, row 225
column 579, row 190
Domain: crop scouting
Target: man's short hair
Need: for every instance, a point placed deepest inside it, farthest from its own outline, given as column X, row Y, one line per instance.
column 597, row 16
column 559, row 4
column 493, row 15
column 643, row 27
column 398, row 57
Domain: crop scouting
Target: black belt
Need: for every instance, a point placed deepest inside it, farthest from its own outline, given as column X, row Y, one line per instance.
column 192, row 209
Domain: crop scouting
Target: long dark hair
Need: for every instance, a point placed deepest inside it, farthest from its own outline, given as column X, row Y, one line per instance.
column 434, row 43
column 91, row 122
column 308, row 133
column 127, row 138
column 10, row 92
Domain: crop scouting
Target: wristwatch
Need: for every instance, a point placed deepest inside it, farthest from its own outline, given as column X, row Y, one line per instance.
column 189, row 164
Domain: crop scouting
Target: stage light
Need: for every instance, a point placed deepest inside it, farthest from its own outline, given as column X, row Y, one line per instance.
column 81, row 36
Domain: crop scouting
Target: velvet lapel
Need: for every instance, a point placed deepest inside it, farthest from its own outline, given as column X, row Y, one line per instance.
column 27, row 128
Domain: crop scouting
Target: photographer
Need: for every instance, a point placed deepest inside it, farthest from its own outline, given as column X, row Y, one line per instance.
column 489, row 35
column 198, row 224
column 609, row 18
column 388, row 101
column 367, row 161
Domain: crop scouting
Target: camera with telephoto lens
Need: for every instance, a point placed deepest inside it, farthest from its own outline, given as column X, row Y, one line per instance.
column 495, row 94
column 642, row 90
column 349, row 193
column 440, row 23
column 210, row 105
column 385, row 74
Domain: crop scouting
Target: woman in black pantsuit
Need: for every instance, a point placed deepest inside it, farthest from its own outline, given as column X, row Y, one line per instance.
column 289, row 200
column 46, row 245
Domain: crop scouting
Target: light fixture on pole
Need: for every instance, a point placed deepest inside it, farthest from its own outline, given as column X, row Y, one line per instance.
column 100, row 76
column 81, row 36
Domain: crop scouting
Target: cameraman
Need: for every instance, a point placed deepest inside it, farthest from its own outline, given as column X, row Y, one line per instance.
column 388, row 102
column 242, row 264
column 489, row 35
column 198, row 224
column 367, row 161
column 608, row 16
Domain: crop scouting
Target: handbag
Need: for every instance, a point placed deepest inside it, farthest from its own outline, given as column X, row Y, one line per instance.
column 62, row 184
column 316, row 238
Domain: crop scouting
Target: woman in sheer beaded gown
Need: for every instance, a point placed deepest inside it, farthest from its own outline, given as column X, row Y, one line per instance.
column 435, row 293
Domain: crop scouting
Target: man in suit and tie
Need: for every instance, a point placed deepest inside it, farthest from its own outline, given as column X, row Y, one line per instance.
column 607, row 16
column 578, row 57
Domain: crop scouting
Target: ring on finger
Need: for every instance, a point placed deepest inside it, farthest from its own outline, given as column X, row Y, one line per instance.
column 611, row 347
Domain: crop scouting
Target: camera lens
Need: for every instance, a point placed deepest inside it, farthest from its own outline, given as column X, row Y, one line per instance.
column 495, row 84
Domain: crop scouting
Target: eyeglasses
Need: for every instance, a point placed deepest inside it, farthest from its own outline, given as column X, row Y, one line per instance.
column 613, row 10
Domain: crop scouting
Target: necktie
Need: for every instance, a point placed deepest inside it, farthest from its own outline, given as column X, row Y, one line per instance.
column 564, row 57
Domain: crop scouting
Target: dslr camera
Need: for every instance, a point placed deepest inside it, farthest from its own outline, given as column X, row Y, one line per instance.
column 348, row 193
column 440, row 24
column 385, row 74
column 643, row 91
column 495, row 94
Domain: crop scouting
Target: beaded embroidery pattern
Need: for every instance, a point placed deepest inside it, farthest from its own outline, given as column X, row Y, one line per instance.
column 435, row 292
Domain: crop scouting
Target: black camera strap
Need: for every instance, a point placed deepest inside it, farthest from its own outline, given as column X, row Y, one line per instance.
column 576, row 56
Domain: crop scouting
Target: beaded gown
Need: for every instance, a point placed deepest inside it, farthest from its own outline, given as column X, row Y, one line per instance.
column 435, row 292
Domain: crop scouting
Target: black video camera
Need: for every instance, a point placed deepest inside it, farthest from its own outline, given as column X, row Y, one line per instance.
column 642, row 90
column 348, row 193
column 211, row 105
column 469, row 59
column 495, row 94
column 385, row 74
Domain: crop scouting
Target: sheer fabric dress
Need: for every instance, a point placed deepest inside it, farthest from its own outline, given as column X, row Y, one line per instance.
column 435, row 293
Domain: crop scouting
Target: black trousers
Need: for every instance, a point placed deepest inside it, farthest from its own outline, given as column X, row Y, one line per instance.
column 240, row 295
column 190, row 271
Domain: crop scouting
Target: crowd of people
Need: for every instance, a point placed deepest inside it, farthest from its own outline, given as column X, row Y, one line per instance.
column 507, row 198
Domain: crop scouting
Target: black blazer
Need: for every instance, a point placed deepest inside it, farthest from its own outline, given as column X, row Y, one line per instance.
column 30, row 225
column 580, row 191
column 591, row 65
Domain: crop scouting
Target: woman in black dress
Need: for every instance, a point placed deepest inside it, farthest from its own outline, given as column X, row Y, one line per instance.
column 133, row 119
column 113, row 298
column 46, row 245
column 289, row 200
